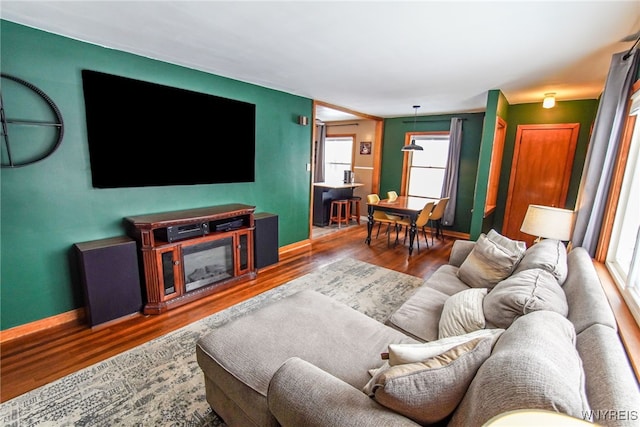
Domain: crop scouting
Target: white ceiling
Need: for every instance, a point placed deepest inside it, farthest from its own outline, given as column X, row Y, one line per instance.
column 374, row 57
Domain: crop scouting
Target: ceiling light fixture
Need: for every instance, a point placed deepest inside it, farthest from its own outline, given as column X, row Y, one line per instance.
column 412, row 146
column 549, row 100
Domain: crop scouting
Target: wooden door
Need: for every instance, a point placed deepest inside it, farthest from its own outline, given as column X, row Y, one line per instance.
column 540, row 172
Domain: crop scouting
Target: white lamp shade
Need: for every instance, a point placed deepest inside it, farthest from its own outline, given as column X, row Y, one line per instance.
column 535, row 418
column 548, row 222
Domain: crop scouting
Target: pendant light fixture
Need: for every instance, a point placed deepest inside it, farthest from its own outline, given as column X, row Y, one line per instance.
column 412, row 146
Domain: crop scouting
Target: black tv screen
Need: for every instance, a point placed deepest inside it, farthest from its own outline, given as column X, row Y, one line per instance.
column 144, row 134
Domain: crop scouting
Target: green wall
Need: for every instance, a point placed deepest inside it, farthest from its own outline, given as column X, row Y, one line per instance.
column 392, row 156
column 48, row 206
column 475, row 157
column 496, row 107
column 582, row 112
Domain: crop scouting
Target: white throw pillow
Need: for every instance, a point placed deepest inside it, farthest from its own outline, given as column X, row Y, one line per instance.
column 410, row 353
column 462, row 313
column 429, row 391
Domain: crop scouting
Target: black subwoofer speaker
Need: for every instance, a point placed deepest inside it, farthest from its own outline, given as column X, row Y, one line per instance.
column 110, row 278
column 265, row 241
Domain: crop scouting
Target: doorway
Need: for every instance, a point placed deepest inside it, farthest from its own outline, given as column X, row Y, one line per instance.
column 365, row 132
column 540, row 172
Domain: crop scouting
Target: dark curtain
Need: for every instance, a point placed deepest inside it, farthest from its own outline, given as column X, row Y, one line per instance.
column 450, row 183
column 602, row 151
column 321, row 133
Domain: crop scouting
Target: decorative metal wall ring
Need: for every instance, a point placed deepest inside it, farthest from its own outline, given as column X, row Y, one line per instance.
column 9, row 159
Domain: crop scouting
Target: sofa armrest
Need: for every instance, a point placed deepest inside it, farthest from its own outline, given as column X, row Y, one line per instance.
column 459, row 251
column 301, row 394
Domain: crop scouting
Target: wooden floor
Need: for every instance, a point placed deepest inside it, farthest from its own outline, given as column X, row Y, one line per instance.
column 29, row 362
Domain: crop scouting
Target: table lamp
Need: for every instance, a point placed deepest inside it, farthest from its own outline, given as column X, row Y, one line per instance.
column 547, row 222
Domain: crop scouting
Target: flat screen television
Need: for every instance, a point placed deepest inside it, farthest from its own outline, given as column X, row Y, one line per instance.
column 143, row 134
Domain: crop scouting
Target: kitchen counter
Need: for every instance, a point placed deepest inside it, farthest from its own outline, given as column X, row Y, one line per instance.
column 324, row 193
column 337, row 184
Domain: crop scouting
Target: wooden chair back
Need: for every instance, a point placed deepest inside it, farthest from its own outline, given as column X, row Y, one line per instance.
column 423, row 217
column 438, row 210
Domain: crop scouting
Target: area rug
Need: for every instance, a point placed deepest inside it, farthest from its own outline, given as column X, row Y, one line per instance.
column 159, row 383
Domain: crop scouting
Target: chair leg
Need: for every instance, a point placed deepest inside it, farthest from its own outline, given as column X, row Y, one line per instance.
column 378, row 233
column 424, row 233
column 389, row 234
column 397, row 232
column 436, row 228
column 431, row 227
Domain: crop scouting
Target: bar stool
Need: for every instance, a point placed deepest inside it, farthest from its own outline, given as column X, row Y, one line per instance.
column 340, row 212
column 354, row 206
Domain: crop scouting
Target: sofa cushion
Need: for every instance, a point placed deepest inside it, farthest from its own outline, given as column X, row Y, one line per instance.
column 522, row 293
column 533, row 365
column 548, row 254
column 460, row 250
column 588, row 303
column 610, row 380
column 420, row 314
column 400, row 353
column 240, row 357
column 492, row 259
column 462, row 313
column 301, row 394
column 445, row 279
column 429, row 391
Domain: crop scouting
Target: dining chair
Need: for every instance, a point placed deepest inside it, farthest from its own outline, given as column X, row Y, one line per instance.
column 435, row 218
column 392, row 196
column 383, row 218
column 421, row 223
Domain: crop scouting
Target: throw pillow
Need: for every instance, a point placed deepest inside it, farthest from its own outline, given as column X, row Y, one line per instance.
column 535, row 364
column 462, row 313
column 522, row 293
column 491, row 260
column 429, row 391
column 548, row 254
column 408, row 353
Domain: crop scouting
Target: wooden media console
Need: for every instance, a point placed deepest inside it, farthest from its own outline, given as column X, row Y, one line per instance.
column 189, row 254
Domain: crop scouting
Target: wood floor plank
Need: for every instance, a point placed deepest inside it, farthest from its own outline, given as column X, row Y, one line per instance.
column 42, row 357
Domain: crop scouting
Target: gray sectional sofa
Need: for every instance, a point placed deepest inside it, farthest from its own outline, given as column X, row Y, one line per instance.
column 499, row 328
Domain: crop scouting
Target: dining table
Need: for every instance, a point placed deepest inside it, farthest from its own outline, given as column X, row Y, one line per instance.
column 403, row 206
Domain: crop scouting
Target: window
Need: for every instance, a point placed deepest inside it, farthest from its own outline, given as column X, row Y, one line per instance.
column 424, row 170
column 338, row 157
column 623, row 257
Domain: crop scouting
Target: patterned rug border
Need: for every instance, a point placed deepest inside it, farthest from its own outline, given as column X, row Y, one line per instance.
column 143, row 385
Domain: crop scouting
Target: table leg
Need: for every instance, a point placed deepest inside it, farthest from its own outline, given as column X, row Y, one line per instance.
column 369, row 224
column 412, row 233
